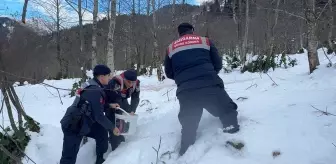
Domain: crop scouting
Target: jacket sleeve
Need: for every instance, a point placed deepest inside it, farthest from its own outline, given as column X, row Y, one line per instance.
column 168, row 67
column 216, row 59
column 94, row 97
column 135, row 97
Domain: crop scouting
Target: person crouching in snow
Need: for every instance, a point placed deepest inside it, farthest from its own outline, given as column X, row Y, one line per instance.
column 85, row 117
column 126, row 85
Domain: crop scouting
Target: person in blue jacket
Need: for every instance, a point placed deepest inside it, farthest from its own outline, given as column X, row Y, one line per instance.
column 193, row 62
column 124, row 86
column 85, row 117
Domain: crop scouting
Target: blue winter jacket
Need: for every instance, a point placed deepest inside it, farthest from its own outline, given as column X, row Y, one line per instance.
column 193, row 62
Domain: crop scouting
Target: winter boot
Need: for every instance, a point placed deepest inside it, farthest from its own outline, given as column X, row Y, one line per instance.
column 100, row 159
column 231, row 129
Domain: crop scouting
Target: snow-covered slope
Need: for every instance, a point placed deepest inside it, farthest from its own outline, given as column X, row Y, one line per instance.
column 273, row 118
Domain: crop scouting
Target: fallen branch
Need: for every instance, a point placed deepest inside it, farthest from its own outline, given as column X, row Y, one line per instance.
column 334, row 144
column 2, row 113
column 242, row 98
column 10, row 155
column 168, row 91
column 24, row 154
column 49, row 91
column 2, row 104
column 323, row 112
column 59, row 95
column 330, row 62
column 251, row 86
column 274, row 83
column 157, row 152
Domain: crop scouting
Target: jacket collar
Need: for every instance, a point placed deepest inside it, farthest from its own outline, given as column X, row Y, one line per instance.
column 190, row 32
column 98, row 82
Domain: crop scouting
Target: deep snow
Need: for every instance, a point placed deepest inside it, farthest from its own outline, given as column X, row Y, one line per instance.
column 273, row 118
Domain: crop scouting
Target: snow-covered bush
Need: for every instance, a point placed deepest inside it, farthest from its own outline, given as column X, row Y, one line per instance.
column 258, row 63
column 75, row 86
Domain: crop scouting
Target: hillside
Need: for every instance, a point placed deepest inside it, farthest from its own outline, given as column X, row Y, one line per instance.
column 134, row 42
column 279, row 122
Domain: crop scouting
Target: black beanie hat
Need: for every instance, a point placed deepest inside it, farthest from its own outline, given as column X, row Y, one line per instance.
column 130, row 75
column 185, row 27
column 101, row 70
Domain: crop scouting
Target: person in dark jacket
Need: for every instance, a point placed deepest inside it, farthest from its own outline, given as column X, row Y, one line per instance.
column 193, row 62
column 126, row 85
column 85, row 117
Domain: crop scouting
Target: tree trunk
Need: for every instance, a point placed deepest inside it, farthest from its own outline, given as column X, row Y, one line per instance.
column 271, row 43
column 173, row 14
column 9, row 109
column 301, row 34
column 24, row 11
column 330, row 25
column 312, row 35
column 110, row 41
column 94, row 34
column 148, row 7
column 9, row 154
column 119, row 4
column 58, row 38
column 139, row 7
column 240, row 32
column 109, row 10
column 17, row 105
column 157, row 63
column 80, row 21
column 246, row 31
column 133, row 7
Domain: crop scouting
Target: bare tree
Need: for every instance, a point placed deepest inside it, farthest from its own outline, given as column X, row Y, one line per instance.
column 247, row 19
column 110, row 41
column 24, row 11
column 11, row 100
column 148, row 7
column 94, row 34
column 156, row 57
column 53, row 8
column 272, row 29
column 80, row 13
column 330, row 25
column 312, row 35
column 173, row 14
column 237, row 18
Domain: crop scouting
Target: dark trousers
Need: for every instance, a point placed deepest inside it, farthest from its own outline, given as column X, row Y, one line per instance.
column 215, row 100
column 71, row 143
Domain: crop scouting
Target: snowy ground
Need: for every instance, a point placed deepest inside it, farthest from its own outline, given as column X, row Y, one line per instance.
column 273, row 118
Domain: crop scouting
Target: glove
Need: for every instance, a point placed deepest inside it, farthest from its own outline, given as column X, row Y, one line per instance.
column 116, row 131
column 115, row 105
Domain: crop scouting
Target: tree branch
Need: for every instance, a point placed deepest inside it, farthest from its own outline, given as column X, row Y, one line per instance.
column 16, row 144
column 323, row 112
column 330, row 62
column 157, row 152
column 16, row 159
column 322, row 10
column 274, row 83
column 284, row 11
